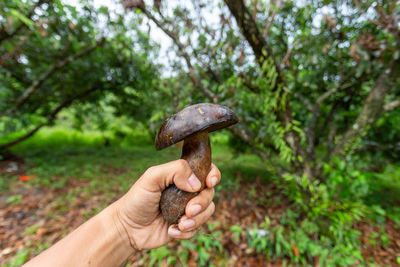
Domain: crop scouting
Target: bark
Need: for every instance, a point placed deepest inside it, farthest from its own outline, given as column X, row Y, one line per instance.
column 262, row 52
column 391, row 105
column 252, row 34
column 286, row 59
column 271, row 20
column 311, row 131
column 373, row 106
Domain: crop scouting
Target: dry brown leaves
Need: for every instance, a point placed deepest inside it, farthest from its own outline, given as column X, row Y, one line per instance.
column 51, row 215
column 383, row 255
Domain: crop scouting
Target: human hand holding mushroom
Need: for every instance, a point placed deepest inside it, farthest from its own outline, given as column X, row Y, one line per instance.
column 134, row 222
column 139, row 213
column 183, row 192
column 171, row 200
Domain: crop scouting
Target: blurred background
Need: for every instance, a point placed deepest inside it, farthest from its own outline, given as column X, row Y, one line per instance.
column 310, row 175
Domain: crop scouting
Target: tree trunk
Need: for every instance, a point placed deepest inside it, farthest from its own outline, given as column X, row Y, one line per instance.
column 371, row 109
column 263, row 52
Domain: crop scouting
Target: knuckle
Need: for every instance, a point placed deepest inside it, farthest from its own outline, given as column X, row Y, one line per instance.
column 212, row 207
column 209, row 194
column 212, row 192
column 150, row 171
column 215, row 168
column 182, row 164
column 218, row 172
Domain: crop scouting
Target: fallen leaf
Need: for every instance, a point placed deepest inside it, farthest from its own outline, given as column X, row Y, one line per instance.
column 296, row 251
column 26, row 178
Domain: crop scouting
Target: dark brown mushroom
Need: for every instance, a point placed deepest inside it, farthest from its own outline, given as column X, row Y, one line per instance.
column 192, row 124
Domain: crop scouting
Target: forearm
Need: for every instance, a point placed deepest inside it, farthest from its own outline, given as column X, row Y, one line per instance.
column 101, row 241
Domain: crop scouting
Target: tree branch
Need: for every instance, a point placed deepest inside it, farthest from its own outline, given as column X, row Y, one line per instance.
column 50, row 118
column 13, row 52
column 272, row 18
column 262, row 52
column 240, row 133
column 4, row 35
column 315, row 115
column 373, row 106
column 252, row 34
column 192, row 73
column 391, row 105
column 287, row 55
column 58, row 65
column 304, row 100
column 368, row 145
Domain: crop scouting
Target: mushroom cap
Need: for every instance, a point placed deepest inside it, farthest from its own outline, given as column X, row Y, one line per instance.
column 193, row 119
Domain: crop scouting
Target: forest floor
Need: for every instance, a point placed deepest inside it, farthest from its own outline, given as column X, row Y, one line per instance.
column 54, row 190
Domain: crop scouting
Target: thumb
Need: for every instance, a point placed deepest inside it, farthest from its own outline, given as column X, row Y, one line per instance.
column 176, row 172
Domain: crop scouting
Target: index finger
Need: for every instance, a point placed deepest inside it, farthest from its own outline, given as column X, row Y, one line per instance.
column 178, row 172
column 213, row 177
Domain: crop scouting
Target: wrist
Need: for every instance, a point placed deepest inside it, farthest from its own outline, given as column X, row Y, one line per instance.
column 98, row 242
column 124, row 236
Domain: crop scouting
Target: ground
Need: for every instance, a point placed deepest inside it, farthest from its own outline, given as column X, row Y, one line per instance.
column 55, row 189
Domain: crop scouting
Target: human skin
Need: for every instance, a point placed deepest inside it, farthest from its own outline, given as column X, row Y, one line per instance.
column 134, row 221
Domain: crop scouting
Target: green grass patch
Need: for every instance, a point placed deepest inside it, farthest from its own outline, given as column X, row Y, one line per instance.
column 57, row 155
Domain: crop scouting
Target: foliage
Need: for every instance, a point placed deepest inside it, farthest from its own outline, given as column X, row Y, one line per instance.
column 315, row 84
column 86, row 49
column 330, row 62
column 206, row 246
column 297, row 243
column 79, row 165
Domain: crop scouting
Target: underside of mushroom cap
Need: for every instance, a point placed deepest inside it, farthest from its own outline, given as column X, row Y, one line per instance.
column 194, row 119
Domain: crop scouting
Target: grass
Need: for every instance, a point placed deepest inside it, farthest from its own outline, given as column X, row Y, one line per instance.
column 56, row 155
column 95, row 174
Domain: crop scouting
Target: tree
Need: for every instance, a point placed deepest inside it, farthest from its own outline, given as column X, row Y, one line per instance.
column 307, row 89
column 55, row 55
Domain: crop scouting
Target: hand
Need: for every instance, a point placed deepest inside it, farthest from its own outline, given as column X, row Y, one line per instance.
column 138, row 210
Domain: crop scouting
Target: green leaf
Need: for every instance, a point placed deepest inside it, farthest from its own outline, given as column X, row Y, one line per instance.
column 21, row 17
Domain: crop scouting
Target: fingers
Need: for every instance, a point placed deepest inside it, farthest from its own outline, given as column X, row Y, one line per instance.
column 188, row 227
column 188, row 224
column 174, row 232
column 200, row 202
column 200, row 208
column 213, row 177
column 159, row 177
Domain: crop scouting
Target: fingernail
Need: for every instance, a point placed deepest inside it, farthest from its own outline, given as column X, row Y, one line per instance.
column 194, row 209
column 214, row 180
column 194, row 182
column 187, row 224
column 174, row 232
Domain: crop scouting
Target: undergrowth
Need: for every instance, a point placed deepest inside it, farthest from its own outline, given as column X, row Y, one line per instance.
column 314, row 230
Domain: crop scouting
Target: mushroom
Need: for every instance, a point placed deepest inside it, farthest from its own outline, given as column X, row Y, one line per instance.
column 192, row 124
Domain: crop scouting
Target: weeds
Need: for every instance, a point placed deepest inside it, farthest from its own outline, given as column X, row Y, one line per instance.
column 320, row 231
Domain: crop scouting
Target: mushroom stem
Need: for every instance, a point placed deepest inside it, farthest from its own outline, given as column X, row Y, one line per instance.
column 197, row 152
